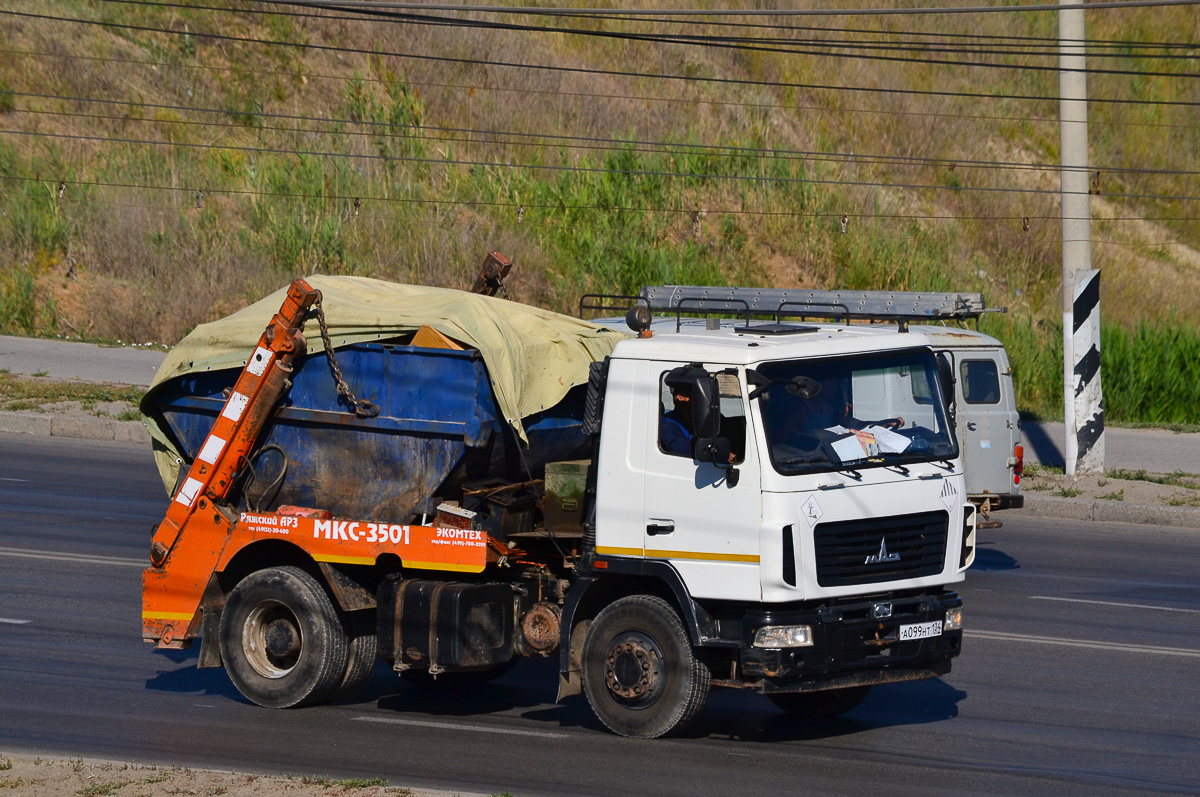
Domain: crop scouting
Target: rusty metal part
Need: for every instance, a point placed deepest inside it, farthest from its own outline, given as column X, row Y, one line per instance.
column 629, row 670
column 492, row 272
column 725, row 683
column 362, row 407
column 541, row 626
column 486, row 491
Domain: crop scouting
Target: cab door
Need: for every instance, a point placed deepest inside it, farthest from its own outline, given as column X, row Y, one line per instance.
column 696, row 517
column 986, row 419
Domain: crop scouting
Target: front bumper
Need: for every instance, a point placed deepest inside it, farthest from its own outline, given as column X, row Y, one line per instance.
column 850, row 646
column 995, row 501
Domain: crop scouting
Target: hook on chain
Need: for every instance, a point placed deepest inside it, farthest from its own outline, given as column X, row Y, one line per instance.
column 362, row 407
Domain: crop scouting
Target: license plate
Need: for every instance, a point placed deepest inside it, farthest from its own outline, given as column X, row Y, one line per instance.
column 920, row 630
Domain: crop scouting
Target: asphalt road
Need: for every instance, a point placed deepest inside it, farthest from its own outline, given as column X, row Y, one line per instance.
column 1077, row 677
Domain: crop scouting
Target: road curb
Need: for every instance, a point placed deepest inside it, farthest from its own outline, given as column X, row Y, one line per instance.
column 1110, row 511
column 80, row 428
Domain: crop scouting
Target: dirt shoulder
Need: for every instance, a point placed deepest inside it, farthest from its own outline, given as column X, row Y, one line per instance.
column 1117, row 486
column 26, row 776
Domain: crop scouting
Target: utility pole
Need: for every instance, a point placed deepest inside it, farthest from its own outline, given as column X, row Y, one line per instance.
column 1083, row 407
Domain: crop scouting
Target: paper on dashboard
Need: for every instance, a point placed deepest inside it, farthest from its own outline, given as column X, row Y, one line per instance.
column 889, row 442
column 849, row 449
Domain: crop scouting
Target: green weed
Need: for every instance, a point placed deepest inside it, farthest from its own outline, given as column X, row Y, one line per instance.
column 44, row 391
column 1116, row 495
column 1178, row 478
column 361, row 783
column 16, row 783
column 1068, row 492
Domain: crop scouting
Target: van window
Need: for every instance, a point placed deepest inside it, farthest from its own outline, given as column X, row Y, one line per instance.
column 981, row 382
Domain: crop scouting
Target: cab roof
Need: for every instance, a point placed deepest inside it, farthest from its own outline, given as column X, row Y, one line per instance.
column 736, row 343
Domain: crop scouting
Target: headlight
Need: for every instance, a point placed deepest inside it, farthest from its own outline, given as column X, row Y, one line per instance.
column 784, row 636
column 953, row 620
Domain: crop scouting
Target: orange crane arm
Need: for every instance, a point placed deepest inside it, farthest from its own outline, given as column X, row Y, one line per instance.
column 189, row 541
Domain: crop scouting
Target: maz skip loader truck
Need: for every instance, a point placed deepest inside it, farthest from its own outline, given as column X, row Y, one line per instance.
column 452, row 482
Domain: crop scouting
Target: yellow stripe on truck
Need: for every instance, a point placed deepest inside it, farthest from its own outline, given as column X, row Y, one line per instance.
column 168, row 615
column 655, row 554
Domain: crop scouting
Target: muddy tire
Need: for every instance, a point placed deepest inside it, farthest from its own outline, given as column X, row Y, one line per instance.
column 640, row 674
column 361, row 647
column 821, row 705
column 282, row 640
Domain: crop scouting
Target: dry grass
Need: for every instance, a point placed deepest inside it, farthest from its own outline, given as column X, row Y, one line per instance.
column 149, row 264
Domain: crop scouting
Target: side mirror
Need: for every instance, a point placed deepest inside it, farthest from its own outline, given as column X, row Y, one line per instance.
column 705, row 397
column 946, row 378
column 706, row 406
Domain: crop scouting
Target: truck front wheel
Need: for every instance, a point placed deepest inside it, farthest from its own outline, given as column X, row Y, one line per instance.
column 640, row 674
column 282, row 641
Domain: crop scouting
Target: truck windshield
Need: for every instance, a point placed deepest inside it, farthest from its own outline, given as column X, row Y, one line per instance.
column 859, row 412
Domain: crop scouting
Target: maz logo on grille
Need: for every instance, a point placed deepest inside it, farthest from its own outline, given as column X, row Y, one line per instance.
column 883, row 555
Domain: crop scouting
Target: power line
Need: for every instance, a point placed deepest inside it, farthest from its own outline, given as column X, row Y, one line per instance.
column 758, row 12
column 542, row 67
column 1052, row 41
column 1090, row 43
column 780, row 44
column 651, row 98
column 585, row 169
column 419, row 132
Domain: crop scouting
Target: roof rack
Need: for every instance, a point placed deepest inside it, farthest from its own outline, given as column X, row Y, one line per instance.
column 887, row 306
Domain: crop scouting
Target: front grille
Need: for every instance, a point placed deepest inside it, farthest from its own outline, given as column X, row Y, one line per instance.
column 843, row 548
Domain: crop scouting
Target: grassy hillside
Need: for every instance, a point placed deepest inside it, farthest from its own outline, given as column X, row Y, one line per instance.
column 154, row 177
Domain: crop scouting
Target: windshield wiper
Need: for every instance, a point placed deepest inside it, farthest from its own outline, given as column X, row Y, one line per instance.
column 803, row 461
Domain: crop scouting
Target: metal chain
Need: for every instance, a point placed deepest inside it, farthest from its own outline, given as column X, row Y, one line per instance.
column 362, row 407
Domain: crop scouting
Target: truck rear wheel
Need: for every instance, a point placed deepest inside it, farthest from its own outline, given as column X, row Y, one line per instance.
column 282, row 640
column 361, row 647
column 820, row 705
column 640, row 673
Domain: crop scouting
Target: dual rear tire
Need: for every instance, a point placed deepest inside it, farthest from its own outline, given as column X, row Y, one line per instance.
column 285, row 644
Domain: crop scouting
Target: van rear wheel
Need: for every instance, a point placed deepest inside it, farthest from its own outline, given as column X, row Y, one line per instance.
column 640, row 674
column 282, row 639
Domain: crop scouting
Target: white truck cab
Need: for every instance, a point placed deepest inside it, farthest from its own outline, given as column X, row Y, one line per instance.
column 793, row 493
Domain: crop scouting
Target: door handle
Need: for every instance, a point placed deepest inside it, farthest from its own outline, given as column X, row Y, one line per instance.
column 660, row 528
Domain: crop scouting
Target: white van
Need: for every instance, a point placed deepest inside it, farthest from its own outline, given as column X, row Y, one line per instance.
column 987, row 425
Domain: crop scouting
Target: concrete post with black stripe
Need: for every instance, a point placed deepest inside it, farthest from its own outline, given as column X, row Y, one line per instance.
column 1089, row 399
column 1078, row 413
